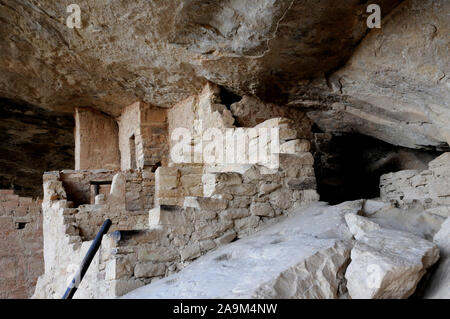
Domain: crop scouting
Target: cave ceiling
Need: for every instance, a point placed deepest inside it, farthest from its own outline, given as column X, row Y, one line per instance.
column 391, row 83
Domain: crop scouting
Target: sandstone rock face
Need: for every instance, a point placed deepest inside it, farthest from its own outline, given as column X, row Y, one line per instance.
column 33, row 140
column 439, row 287
column 161, row 52
column 396, row 85
column 386, row 263
column 417, row 220
column 430, row 187
column 302, row 257
column 21, row 248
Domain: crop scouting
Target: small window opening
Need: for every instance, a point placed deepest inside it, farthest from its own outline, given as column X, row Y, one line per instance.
column 155, row 167
column 133, row 152
column 21, row 225
column 99, row 187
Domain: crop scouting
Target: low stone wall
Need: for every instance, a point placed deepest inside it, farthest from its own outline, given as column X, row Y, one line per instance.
column 130, row 195
column 173, row 184
column 21, row 245
column 198, row 206
column 234, row 205
column 145, row 127
column 68, row 230
column 429, row 187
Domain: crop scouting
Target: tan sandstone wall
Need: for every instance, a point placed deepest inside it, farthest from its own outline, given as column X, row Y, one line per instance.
column 199, row 112
column 96, row 140
column 144, row 126
column 69, row 230
column 21, row 245
column 197, row 206
column 250, row 111
column 429, row 187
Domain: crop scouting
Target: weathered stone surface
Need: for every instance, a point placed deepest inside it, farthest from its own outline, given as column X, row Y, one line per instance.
column 118, row 268
column 360, row 226
column 439, row 286
column 206, row 230
column 268, row 188
column 156, row 254
column 234, row 213
column 190, row 252
column 161, row 52
column 302, row 257
column 226, row 238
column 167, row 215
column 249, row 222
column 386, row 263
column 149, row 270
column 205, row 203
column 295, row 146
column 33, row 140
column 429, row 187
column 21, row 245
column 261, row 209
column 415, row 220
column 251, row 111
column 395, row 86
column 96, row 140
column 302, row 183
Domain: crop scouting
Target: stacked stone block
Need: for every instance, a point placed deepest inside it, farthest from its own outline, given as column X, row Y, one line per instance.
column 21, row 247
column 430, row 187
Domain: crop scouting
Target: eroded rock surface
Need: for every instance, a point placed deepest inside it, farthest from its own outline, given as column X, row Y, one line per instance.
column 439, row 286
column 32, row 140
column 163, row 51
column 306, row 256
column 302, row 257
column 386, row 263
column 396, row 85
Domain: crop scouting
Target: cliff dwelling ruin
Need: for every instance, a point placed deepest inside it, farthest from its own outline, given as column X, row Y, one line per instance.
column 280, row 149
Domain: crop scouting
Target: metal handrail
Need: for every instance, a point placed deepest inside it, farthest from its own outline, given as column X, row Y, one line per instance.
column 73, row 286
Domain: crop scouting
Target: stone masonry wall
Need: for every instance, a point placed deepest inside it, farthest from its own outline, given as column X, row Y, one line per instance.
column 174, row 183
column 21, row 245
column 429, row 187
column 174, row 235
column 250, row 111
column 197, row 206
column 96, row 140
column 69, row 230
column 199, row 112
column 130, row 195
column 144, row 126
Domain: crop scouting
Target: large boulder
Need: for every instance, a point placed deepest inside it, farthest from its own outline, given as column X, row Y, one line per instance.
column 163, row 51
column 439, row 286
column 395, row 86
column 303, row 256
column 386, row 263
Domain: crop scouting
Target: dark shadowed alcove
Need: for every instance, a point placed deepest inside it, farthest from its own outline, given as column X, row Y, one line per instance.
column 349, row 166
column 32, row 140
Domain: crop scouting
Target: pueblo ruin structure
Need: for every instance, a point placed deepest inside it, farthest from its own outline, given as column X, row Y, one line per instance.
column 277, row 149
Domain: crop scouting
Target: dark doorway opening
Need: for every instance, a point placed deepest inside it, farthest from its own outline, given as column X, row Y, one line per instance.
column 349, row 166
column 133, row 152
column 227, row 97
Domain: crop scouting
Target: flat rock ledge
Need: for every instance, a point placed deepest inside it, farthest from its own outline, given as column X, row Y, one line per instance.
column 386, row 263
column 317, row 252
